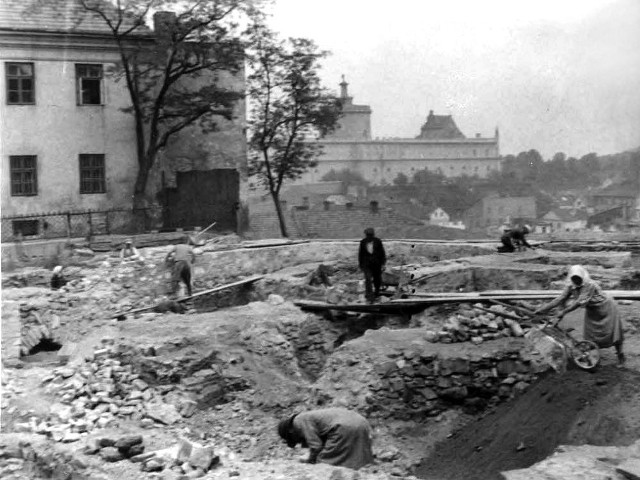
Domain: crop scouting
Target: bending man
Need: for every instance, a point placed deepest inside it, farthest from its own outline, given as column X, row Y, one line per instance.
column 336, row 436
column 183, row 257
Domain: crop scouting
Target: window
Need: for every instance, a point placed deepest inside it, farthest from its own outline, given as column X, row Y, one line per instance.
column 25, row 228
column 89, row 84
column 92, row 173
column 20, row 84
column 24, row 175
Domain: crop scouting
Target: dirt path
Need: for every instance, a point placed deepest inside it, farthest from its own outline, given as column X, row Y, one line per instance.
column 601, row 408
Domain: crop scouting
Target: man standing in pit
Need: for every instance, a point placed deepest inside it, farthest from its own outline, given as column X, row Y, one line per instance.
column 371, row 259
column 183, row 257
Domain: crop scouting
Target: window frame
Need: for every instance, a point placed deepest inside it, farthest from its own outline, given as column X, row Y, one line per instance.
column 7, row 77
column 92, row 168
column 79, row 84
column 21, row 170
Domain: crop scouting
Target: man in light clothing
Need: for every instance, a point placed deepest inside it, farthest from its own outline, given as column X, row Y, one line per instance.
column 183, row 257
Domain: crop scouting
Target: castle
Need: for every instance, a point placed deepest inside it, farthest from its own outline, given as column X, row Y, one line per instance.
column 440, row 147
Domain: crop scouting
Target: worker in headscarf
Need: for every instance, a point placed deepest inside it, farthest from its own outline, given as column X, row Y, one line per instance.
column 602, row 322
column 130, row 252
column 371, row 260
column 514, row 238
column 57, row 278
column 183, row 257
column 336, row 436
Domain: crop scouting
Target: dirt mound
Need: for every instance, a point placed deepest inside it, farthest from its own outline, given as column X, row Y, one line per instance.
column 601, row 408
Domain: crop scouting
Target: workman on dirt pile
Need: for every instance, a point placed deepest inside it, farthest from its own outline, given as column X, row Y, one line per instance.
column 602, row 322
column 371, row 260
column 182, row 256
column 130, row 252
column 336, row 436
column 514, row 238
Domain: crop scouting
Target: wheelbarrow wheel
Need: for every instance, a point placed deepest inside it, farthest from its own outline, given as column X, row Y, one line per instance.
column 586, row 355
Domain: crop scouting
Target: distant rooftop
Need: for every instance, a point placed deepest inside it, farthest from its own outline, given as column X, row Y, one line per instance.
column 439, row 127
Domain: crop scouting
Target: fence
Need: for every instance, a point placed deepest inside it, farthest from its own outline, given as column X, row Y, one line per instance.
column 86, row 224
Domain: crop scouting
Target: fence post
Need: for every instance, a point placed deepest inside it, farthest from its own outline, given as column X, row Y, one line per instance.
column 90, row 236
column 68, row 224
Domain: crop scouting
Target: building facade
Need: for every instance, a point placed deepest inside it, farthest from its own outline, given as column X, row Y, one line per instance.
column 494, row 211
column 65, row 142
column 440, row 147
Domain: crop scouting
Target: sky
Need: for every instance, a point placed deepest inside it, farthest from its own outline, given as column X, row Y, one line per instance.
column 554, row 75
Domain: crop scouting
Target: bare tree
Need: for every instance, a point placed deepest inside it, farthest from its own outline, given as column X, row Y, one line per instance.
column 289, row 109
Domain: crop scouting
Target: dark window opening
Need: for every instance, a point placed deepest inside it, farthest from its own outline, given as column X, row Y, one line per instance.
column 26, row 227
column 20, row 83
column 92, row 177
column 89, row 84
column 24, row 175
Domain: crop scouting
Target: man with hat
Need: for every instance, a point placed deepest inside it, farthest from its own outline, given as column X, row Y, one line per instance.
column 371, row 260
column 129, row 252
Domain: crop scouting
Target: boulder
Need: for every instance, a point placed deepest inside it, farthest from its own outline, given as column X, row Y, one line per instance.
column 162, row 412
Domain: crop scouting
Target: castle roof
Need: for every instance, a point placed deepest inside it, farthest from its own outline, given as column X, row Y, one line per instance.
column 440, row 127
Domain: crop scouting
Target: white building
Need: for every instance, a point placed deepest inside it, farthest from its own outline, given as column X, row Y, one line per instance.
column 440, row 147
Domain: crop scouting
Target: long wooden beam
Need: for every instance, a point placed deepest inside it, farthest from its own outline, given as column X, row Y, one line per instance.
column 245, row 281
column 418, row 303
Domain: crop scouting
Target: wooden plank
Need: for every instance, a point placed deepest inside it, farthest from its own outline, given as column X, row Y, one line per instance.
column 245, row 281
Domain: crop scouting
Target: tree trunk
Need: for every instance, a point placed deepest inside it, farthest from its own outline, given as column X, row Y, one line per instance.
column 283, row 225
column 140, row 187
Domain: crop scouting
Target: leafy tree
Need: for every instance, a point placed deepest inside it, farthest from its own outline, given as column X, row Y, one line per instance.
column 346, row 176
column 401, row 180
column 173, row 76
column 289, row 109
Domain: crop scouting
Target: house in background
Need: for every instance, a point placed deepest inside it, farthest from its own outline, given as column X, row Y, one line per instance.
column 495, row 210
column 562, row 220
column 622, row 195
column 65, row 143
column 438, row 217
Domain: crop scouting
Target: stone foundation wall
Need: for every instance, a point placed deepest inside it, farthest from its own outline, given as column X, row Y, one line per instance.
column 413, row 379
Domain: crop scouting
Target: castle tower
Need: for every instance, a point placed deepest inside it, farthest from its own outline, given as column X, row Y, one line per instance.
column 355, row 122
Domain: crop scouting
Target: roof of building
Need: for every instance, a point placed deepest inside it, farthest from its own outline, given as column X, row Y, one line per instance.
column 565, row 215
column 440, row 127
column 625, row 189
column 59, row 16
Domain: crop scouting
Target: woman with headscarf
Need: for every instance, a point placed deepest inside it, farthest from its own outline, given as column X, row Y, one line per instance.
column 602, row 323
column 57, row 278
column 336, row 436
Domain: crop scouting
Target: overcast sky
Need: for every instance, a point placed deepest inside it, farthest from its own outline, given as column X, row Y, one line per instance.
column 554, row 75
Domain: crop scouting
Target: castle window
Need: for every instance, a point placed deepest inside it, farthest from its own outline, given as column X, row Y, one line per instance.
column 89, row 84
column 20, row 83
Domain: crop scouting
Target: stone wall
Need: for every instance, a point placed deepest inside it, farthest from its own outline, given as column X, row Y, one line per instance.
column 399, row 374
column 245, row 262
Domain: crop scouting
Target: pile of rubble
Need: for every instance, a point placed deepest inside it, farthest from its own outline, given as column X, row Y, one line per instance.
column 186, row 458
column 477, row 325
column 97, row 393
